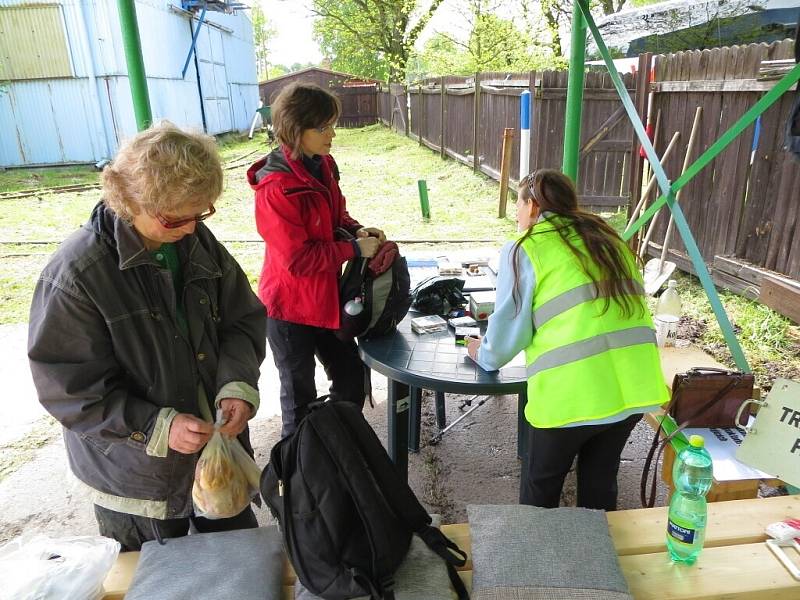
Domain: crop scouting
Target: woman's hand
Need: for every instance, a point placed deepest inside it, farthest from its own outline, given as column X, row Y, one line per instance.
column 371, row 232
column 473, row 344
column 368, row 246
column 237, row 412
column 187, row 433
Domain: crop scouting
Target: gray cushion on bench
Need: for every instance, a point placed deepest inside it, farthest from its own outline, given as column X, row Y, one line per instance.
column 245, row 564
column 421, row 576
column 530, row 553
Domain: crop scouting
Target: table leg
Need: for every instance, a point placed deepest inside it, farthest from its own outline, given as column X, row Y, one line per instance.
column 397, row 421
column 414, row 418
column 441, row 418
column 522, row 425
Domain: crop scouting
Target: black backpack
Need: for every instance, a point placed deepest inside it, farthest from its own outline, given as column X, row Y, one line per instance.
column 382, row 301
column 346, row 515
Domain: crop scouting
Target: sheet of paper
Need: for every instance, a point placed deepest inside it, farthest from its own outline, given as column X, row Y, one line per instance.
column 722, row 445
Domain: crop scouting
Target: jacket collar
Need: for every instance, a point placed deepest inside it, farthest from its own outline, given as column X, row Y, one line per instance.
column 280, row 161
column 131, row 251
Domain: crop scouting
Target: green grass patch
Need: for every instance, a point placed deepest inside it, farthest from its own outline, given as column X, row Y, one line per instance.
column 13, row 180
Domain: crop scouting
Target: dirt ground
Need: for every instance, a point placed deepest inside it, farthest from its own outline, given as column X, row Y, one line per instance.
column 474, row 463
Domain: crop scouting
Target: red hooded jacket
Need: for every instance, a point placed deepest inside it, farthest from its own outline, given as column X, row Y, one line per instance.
column 296, row 215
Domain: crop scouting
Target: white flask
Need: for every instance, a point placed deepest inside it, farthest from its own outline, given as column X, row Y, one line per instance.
column 668, row 313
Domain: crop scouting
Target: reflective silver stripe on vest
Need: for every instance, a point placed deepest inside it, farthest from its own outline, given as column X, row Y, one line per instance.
column 586, row 348
column 574, row 297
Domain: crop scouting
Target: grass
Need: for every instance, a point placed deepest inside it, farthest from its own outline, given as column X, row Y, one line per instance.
column 770, row 341
column 380, row 171
column 14, row 180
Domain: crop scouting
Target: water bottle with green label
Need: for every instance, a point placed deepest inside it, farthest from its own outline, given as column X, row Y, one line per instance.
column 688, row 510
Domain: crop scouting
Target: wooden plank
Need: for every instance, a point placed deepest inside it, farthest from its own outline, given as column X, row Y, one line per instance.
column 719, row 85
column 603, row 131
column 557, row 93
column 585, row 200
column 744, row 572
column 781, row 297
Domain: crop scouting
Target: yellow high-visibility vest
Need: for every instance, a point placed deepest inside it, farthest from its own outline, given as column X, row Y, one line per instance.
column 583, row 364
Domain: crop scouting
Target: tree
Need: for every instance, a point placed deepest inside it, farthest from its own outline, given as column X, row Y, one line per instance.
column 345, row 53
column 372, row 32
column 262, row 35
column 276, row 71
column 492, row 43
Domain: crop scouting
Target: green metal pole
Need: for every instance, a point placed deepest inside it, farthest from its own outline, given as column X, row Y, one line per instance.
column 133, row 57
column 572, row 127
column 423, row 199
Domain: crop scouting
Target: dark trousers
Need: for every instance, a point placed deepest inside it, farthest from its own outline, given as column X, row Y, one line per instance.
column 294, row 347
column 551, row 453
column 131, row 531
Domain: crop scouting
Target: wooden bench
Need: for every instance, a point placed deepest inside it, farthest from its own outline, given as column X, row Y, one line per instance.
column 735, row 564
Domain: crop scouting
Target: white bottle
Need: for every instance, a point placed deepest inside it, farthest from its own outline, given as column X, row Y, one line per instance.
column 668, row 313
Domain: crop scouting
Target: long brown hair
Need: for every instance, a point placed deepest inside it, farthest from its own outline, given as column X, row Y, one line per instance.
column 555, row 193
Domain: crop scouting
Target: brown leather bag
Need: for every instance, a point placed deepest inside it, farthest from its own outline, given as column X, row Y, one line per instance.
column 701, row 397
column 709, row 397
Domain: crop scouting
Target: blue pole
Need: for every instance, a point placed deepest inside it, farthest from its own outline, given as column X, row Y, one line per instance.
column 524, row 133
column 194, row 41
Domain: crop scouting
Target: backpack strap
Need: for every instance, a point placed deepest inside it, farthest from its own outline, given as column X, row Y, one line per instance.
column 401, row 498
column 453, row 556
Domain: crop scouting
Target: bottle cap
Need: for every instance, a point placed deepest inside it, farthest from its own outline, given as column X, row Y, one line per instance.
column 697, row 441
column 672, row 283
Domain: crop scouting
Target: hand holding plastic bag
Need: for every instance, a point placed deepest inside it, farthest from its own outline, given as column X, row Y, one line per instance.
column 226, row 479
column 42, row 568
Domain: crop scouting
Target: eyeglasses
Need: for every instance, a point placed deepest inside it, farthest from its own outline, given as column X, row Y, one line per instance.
column 181, row 222
column 327, row 128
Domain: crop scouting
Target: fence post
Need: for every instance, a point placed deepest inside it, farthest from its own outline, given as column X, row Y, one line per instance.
column 637, row 162
column 421, row 106
column 407, row 109
column 476, row 121
column 442, row 96
column 505, row 167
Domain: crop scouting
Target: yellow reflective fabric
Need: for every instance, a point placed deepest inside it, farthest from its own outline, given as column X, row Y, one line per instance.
column 585, row 364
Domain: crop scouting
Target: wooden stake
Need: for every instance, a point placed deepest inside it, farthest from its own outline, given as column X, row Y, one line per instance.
column 505, row 168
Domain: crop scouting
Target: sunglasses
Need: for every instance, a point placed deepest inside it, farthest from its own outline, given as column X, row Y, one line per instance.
column 166, row 224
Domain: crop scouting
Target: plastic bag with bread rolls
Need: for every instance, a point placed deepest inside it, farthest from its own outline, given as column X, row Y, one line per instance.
column 226, row 478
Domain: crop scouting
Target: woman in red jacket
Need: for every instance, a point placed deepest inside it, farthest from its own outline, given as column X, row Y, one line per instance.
column 298, row 207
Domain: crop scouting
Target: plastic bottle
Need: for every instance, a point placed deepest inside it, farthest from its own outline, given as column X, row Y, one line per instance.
column 688, row 510
column 668, row 313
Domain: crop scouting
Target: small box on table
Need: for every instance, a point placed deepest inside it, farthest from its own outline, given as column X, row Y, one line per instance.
column 481, row 305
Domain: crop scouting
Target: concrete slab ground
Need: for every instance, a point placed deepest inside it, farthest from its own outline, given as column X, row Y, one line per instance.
column 475, row 463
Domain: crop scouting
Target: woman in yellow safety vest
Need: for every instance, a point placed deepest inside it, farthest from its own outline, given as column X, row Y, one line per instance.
column 570, row 295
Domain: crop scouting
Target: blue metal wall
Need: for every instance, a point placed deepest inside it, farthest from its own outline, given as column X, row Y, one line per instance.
column 83, row 118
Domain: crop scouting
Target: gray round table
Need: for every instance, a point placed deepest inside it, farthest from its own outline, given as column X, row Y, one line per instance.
column 433, row 361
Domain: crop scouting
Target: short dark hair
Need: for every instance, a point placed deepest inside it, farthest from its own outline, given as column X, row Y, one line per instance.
column 301, row 106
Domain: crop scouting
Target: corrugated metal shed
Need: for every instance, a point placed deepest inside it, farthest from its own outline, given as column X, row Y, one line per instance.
column 51, row 115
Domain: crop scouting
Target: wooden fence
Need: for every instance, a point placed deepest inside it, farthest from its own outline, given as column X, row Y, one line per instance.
column 456, row 118
column 744, row 207
column 359, row 105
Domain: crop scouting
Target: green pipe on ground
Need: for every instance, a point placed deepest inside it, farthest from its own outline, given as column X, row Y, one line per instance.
column 135, row 62
column 572, row 127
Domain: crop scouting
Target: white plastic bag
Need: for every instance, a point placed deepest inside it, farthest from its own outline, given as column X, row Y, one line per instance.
column 226, row 479
column 42, row 568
